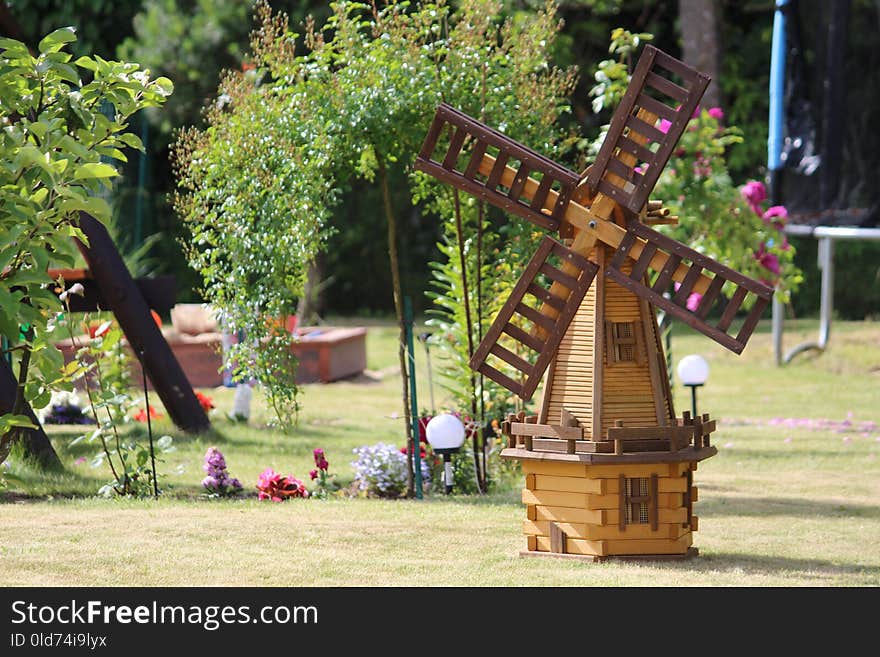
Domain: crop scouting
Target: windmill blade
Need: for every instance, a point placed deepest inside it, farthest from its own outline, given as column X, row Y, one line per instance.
column 515, row 316
column 662, row 87
column 477, row 160
column 678, row 256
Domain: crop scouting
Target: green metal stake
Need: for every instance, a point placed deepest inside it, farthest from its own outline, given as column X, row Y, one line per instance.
column 414, row 413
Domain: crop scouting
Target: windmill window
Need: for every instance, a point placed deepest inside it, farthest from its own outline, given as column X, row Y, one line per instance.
column 638, row 501
column 622, row 342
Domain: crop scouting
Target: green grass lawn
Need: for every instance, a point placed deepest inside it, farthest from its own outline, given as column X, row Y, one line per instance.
column 791, row 499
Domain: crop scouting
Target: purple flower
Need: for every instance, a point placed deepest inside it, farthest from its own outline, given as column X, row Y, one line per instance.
column 218, row 481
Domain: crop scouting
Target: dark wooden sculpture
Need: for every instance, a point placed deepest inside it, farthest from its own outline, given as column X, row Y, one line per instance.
column 609, row 465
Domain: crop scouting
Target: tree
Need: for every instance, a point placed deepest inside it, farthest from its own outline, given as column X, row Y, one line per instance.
column 55, row 135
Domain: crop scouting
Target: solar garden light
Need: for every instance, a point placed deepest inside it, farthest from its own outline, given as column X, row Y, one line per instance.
column 693, row 371
column 445, row 434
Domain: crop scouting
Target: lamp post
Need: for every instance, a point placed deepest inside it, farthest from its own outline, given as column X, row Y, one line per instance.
column 693, row 371
column 445, row 433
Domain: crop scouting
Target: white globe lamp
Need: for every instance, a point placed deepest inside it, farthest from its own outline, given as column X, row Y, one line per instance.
column 693, row 371
column 445, row 433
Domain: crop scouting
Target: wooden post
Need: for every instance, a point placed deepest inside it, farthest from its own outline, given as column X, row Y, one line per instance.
column 131, row 311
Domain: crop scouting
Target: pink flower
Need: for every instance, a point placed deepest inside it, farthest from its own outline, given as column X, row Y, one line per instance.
column 754, row 194
column 693, row 301
column 276, row 487
column 664, row 125
column 767, row 260
column 776, row 215
column 320, row 460
column 716, row 113
column 313, row 474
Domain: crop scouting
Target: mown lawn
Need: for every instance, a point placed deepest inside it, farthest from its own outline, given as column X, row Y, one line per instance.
column 790, row 500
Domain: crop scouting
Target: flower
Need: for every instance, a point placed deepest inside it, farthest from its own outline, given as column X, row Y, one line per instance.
column 313, row 474
column 218, row 482
column 156, row 318
column 206, row 402
column 277, row 487
column 716, row 113
column 693, row 300
column 767, row 260
column 664, row 126
column 99, row 330
column 320, row 460
column 141, row 415
column 754, row 194
column 381, row 470
column 776, row 215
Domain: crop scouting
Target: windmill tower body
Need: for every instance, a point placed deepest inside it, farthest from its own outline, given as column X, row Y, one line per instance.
column 608, row 464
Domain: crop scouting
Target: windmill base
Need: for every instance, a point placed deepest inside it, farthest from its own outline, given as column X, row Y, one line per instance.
column 690, row 554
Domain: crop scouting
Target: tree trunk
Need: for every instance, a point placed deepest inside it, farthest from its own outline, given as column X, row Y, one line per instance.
column 35, row 443
column 398, row 307
column 701, row 46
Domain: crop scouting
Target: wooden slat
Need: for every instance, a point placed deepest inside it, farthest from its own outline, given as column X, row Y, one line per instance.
column 535, row 316
column 511, row 358
column 687, row 285
column 627, row 433
column 431, row 138
column 557, row 539
column 543, row 295
column 752, row 320
column 656, row 107
column 621, row 506
column 519, row 182
column 731, row 308
column 627, row 173
column 546, row 431
column 473, row 166
column 644, row 261
column 709, row 297
column 497, row 170
column 559, row 276
column 454, row 149
column 540, row 197
column 665, row 275
column 653, row 515
column 521, row 336
column 666, row 86
column 645, row 129
column 627, row 145
column 500, row 378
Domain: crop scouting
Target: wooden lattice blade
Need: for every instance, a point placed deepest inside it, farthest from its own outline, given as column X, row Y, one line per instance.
column 517, row 316
column 679, row 255
column 659, row 101
column 472, row 145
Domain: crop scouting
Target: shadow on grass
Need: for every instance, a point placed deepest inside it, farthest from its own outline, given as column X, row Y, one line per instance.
column 758, row 564
column 781, row 506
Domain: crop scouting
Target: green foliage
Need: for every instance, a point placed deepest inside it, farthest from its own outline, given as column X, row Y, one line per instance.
column 498, row 71
column 103, row 366
column 259, row 184
column 714, row 218
column 54, row 143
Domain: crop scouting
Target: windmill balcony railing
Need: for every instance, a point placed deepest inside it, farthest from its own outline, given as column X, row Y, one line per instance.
column 524, row 432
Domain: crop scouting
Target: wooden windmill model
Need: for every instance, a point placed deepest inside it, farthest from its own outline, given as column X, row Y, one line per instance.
column 609, row 466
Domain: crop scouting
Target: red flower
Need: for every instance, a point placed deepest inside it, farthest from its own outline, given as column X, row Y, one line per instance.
column 206, row 402
column 313, row 474
column 156, row 318
column 276, row 487
column 99, row 330
column 320, row 460
column 141, row 415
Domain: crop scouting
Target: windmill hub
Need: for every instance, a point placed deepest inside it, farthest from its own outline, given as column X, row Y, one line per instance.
column 609, row 465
